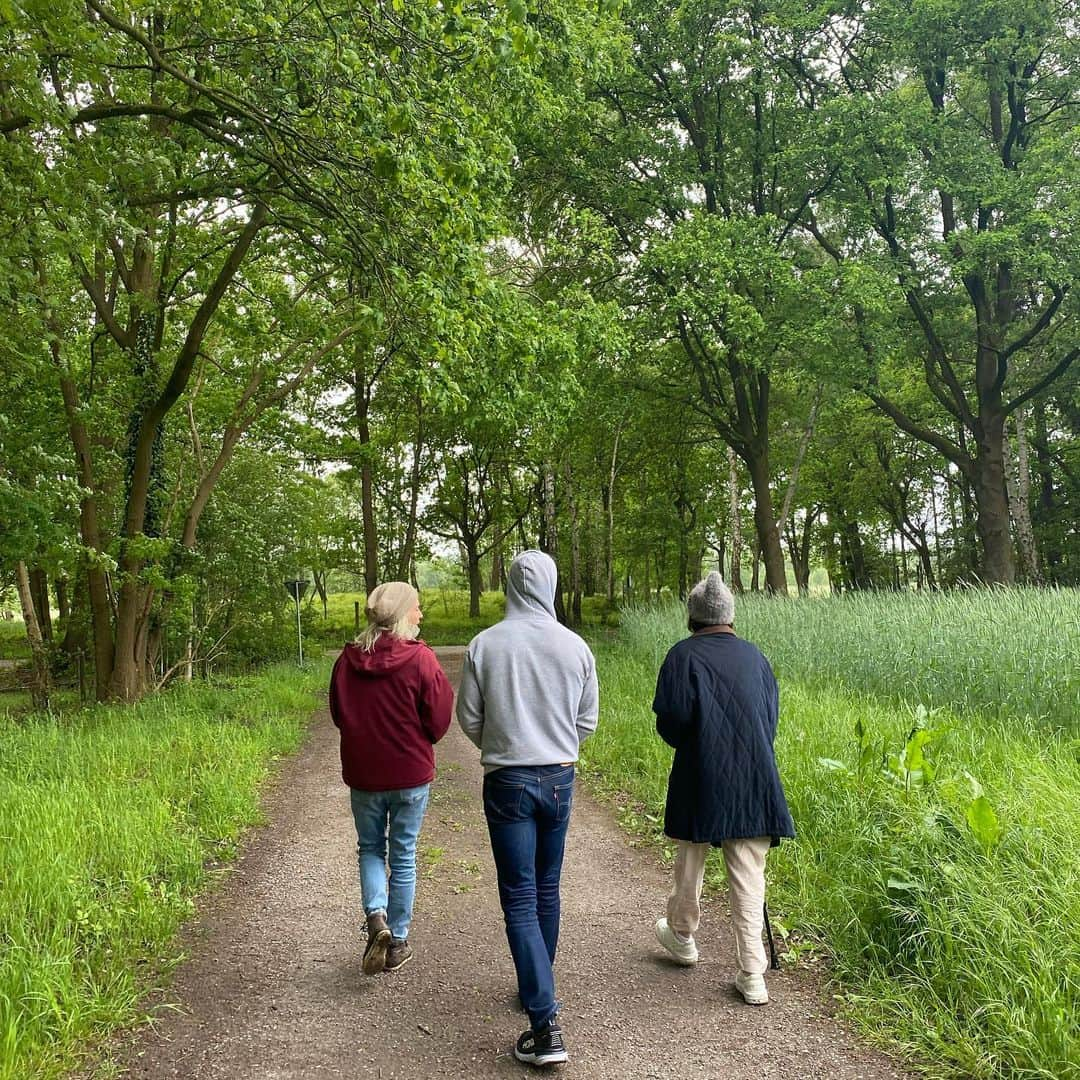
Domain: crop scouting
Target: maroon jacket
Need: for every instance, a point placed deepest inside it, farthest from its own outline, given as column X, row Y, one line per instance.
column 392, row 705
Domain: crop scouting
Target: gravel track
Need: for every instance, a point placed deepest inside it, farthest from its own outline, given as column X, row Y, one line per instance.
column 273, row 988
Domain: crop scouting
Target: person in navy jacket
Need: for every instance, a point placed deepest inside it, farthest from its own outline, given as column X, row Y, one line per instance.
column 392, row 702
column 717, row 704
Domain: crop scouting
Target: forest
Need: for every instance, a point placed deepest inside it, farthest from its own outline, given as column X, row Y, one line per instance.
column 291, row 291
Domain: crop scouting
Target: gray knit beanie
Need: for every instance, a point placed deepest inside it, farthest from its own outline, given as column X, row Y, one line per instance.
column 710, row 602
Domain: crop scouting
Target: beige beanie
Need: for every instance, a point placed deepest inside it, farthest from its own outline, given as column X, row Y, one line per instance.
column 388, row 604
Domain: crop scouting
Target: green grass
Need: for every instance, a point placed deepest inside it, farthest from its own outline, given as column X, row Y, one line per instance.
column 446, row 616
column 108, row 819
column 13, row 643
column 951, row 943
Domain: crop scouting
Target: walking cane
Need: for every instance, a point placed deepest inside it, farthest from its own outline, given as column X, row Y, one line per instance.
column 774, row 960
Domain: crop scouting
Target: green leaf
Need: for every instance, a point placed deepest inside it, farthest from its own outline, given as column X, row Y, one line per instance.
column 900, row 885
column 983, row 822
column 833, row 765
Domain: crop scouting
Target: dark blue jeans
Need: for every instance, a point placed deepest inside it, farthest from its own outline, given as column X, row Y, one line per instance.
column 528, row 811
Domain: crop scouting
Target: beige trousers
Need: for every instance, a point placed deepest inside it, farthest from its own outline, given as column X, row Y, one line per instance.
column 745, row 862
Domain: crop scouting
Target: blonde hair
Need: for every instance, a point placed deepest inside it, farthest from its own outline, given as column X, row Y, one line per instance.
column 402, row 628
column 388, row 608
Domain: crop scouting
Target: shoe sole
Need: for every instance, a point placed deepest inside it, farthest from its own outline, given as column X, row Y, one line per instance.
column 753, row 999
column 375, row 953
column 686, row 961
column 541, row 1059
column 398, row 966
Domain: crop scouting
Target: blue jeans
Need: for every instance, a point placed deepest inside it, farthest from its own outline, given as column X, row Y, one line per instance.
column 399, row 815
column 528, row 811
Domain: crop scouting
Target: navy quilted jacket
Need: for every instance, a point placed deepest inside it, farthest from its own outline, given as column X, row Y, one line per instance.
column 716, row 703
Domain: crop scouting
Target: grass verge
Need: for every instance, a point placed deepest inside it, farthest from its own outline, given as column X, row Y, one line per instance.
column 938, row 857
column 110, row 820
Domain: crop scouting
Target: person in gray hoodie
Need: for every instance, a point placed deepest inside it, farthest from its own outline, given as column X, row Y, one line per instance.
column 528, row 698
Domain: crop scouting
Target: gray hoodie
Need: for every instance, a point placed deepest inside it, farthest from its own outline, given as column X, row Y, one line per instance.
column 528, row 693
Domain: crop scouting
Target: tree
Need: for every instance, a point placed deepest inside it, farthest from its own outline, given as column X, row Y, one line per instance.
column 160, row 157
column 957, row 178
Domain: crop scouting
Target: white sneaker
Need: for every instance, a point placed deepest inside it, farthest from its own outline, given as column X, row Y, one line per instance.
column 684, row 952
column 752, row 988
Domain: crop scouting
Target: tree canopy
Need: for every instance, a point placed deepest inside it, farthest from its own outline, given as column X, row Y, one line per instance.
column 296, row 288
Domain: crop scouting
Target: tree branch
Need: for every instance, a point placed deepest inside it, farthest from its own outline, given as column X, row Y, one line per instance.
column 1040, row 324
column 189, row 351
column 922, row 433
column 1055, row 373
column 101, row 303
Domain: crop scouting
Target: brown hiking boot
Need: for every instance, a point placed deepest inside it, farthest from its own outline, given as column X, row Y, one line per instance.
column 378, row 942
column 399, row 954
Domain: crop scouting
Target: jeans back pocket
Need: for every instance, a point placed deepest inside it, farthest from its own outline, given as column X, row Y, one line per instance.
column 564, row 800
column 502, row 801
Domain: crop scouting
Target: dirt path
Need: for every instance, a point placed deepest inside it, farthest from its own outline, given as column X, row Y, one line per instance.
column 273, row 987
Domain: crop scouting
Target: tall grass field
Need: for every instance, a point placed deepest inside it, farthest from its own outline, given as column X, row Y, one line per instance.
column 108, row 822
column 930, row 750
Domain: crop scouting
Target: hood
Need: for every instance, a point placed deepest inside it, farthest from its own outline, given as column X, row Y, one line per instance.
column 389, row 654
column 530, row 586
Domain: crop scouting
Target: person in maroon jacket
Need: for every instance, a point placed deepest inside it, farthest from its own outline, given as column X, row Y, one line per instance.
column 392, row 702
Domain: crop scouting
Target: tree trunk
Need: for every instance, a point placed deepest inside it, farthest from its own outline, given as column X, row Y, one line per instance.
column 97, row 585
column 498, row 570
column 804, row 442
column 39, row 592
column 734, row 499
column 40, row 686
column 720, row 550
column 76, row 623
column 851, row 552
column 992, row 521
column 609, row 545
column 608, row 495
column 318, row 578
column 1018, row 488
column 495, row 581
column 923, row 548
column 362, row 401
column 697, row 557
column 408, row 551
column 1042, row 457
column 937, row 530
column 127, row 680
column 765, row 524
column 968, row 515
column 1045, row 506
column 799, row 549
column 575, row 550
column 550, row 542
column 476, row 581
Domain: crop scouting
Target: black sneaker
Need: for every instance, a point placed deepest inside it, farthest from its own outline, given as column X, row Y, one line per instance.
column 543, row 1047
column 398, row 955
